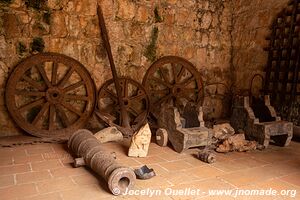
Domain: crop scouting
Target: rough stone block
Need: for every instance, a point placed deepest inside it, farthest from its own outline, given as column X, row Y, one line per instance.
column 11, row 25
column 206, row 20
column 126, row 9
column 58, row 25
column 142, row 14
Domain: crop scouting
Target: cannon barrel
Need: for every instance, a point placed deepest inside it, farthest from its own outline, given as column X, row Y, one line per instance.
column 86, row 146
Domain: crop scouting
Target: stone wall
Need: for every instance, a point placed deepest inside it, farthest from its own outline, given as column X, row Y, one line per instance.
column 252, row 20
column 198, row 30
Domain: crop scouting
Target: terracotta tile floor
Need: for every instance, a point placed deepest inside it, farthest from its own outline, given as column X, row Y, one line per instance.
column 44, row 172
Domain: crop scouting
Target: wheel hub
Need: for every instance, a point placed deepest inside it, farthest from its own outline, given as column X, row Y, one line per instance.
column 175, row 90
column 54, row 95
column 135, row 100
column 126, row 102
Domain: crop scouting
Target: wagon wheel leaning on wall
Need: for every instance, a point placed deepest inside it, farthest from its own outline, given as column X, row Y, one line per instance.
column 50, row 95
column 173, row 79
column 135, row 100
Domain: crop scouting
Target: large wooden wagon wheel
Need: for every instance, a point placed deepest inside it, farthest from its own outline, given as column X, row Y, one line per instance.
column 174, row 80
column 135, row 100
column 50, row 95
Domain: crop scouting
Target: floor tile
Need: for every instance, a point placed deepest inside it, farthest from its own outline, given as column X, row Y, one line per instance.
column 54, row 185
column 7, row 180
column 5, row 170
column 16, row 191
column 31, row 177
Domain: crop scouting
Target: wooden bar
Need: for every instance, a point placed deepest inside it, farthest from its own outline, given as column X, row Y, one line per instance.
column 270, row 57
column 280, row 40
column 289, row 52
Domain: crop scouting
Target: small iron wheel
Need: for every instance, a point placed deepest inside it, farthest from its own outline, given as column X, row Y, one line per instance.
column 162, row 137
column 174, row 80
column 135, row 100
column 50, row 95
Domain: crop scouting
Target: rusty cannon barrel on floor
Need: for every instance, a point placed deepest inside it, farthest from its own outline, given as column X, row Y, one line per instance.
column 92, row 153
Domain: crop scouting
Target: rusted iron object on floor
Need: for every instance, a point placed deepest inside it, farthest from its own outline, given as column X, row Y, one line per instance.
column 207, row 156
column 123, row 113
column 179, row 136
column 144, row 173
column 162, row 137
column 260, row 121
column 86, row 146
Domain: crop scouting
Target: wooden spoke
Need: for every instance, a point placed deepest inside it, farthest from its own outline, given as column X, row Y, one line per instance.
column 76, row 97
column 133, row 111
column 51, row 117
column 33, row 83
column 72, row 109
column 186, row 95
column 108, row 115
column 111, row 94
column 179, row 75
column 43, row 74
column 140, row 116
column 41, row 113
column 108, row 109
column 174, row 72
column 66, row 78
column 30, row 93
column 164, row 91
column 62, row 115
column 188, row 81
column 74, row 86
column 31, row 105
column 54, row 73
column 189, row 90
column 138, row 97
column 161, row 82
column 163, row 75
column 130, row 110
column 163, row 99
column 125, row 88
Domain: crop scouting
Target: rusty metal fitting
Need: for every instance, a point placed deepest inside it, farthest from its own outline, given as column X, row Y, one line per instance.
column 86, row 146
column 162, row 137
column 207, row 157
